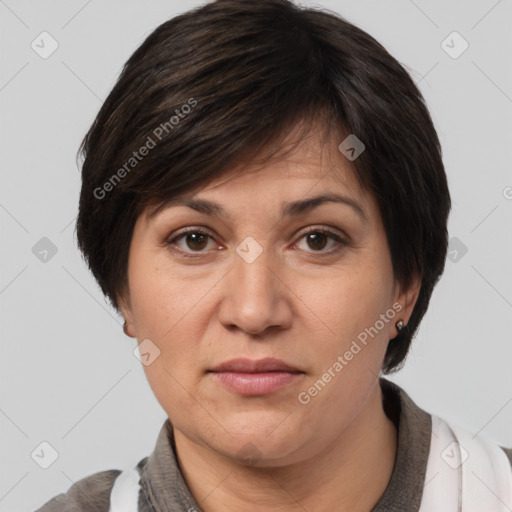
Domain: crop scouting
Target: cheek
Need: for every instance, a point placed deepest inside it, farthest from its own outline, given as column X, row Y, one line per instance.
column 353, row 300
column 166, row 311
column 162, row 300
column 162, row 307
column 350, row 356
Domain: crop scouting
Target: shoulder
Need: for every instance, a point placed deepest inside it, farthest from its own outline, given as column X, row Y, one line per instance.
column 479, row 444
column 89, row 493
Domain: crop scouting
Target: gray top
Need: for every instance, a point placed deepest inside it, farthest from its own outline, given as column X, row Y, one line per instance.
column 163, row 488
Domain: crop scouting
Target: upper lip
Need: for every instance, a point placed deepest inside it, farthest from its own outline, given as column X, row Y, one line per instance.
column 242, row 365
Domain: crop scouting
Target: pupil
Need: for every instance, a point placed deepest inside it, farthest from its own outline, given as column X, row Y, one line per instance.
column 195, row 237
column 314, row 238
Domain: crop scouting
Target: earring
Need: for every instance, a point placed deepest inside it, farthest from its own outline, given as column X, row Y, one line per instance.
column 400, row 325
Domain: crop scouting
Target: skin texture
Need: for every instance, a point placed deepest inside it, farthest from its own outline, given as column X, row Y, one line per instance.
column 335, row 452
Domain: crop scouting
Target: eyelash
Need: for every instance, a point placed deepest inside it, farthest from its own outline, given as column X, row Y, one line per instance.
column 195, row 254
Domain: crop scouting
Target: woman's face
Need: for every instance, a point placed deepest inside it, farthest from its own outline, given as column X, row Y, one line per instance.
column 255, row 286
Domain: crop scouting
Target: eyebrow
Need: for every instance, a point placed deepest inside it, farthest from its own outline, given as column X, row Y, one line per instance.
column 290, row 209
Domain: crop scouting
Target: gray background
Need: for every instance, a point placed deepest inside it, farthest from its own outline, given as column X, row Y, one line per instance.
column 68, row 374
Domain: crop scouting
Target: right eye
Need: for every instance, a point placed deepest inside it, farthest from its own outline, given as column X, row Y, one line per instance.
column 195, row 240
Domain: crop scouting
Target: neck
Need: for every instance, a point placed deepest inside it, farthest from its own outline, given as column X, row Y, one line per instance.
column 350, row 474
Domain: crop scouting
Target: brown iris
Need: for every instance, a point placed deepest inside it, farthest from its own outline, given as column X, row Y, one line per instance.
column 318, row 239
column 196, row 241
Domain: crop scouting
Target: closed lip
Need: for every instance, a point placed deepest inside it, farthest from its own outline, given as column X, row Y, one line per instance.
column 244, row 365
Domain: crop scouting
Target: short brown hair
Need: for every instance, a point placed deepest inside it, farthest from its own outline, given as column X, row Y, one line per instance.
column 225, row 80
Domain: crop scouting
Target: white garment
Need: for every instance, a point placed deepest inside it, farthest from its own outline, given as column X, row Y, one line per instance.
column 124, row 496
column 465, row 473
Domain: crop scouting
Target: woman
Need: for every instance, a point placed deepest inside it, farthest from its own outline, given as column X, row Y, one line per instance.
column 264, row 201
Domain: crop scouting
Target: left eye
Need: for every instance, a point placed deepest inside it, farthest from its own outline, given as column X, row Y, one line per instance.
column 318, row 239
column 196, row 240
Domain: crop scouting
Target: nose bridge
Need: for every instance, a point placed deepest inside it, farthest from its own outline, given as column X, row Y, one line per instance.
column 253, row 297
column 253, row 276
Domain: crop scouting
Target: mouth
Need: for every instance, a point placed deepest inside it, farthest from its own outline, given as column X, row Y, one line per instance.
column 248, row 377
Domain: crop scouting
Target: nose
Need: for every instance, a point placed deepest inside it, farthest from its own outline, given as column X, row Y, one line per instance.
column 256, row 296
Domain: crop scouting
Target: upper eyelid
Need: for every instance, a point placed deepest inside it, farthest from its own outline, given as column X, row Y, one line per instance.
column 208, row 231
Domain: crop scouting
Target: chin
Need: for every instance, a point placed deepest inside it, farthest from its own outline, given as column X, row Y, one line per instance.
column 258, row 439
column 261, row 452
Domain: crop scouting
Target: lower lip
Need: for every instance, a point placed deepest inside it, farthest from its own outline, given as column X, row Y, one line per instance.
column 254, row 384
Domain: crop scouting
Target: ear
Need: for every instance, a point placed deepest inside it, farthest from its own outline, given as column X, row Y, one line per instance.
column 124, row 304
column 407, row 299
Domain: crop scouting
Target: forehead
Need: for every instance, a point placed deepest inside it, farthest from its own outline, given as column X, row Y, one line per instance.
column 315, row 164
